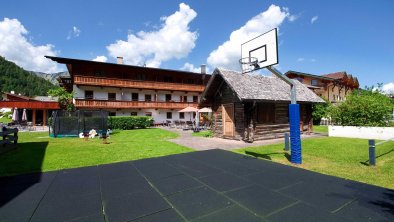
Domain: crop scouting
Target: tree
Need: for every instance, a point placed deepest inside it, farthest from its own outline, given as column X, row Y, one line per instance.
column 65, row 98
column 367, row 107
column 320, row 110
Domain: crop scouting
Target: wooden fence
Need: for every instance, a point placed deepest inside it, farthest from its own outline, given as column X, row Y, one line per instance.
column 9, row 139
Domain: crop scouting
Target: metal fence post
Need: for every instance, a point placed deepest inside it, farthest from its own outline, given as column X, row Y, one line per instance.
column 372, row 158
column 287, row 142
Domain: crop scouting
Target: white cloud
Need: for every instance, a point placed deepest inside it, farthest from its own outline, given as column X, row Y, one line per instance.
column 172, row 40
column 191, row 68
column 100, row 59
column 15, row 47
column 74, row 32
column 228, row 53
column 388, row 88
column 301, row 59
column 314, row 18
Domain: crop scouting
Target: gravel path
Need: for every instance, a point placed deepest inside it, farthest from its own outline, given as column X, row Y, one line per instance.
column 201, row 143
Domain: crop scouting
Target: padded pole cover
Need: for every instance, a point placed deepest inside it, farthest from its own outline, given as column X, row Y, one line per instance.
column 295, row 138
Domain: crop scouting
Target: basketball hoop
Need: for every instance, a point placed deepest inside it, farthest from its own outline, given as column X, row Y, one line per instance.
column 249, row 64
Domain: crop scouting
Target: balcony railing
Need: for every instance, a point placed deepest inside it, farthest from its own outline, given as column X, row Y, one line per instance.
column 30, row 104
column 119, row 104
column 99, row 81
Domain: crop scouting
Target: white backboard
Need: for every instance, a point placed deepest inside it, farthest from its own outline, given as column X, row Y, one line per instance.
column 263, row 47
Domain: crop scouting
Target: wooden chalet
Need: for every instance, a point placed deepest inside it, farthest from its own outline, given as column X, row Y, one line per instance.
column 334, row 86
column 248, row 107
column 125, row 90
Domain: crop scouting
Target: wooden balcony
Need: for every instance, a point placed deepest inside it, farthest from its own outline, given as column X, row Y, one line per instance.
column 135, row 84
column 29, row 104
column 103, row 104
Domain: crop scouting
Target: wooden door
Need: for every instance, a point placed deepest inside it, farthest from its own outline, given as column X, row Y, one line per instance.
column 228, row 119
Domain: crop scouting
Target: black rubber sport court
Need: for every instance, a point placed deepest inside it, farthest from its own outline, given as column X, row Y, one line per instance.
column 210, row 185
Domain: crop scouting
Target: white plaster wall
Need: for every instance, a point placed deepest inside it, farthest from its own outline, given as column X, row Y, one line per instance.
column 379, row 133
column 159, row 116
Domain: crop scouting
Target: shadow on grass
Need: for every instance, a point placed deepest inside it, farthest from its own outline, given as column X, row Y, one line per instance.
column 27, row 158
column 366, row 163
column 267, row 156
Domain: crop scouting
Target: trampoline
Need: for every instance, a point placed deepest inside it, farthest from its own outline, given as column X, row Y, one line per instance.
column 64, row 123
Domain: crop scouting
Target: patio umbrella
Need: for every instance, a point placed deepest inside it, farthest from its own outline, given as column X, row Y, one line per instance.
column 205, row 110
column 189, row 109
column 24, row 117
column 15, row 115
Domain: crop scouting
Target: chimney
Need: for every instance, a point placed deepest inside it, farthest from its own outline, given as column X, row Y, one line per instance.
column 120, row 60
column 203, row 69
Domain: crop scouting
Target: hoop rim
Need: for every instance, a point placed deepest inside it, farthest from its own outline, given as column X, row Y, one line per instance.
column 250, row 60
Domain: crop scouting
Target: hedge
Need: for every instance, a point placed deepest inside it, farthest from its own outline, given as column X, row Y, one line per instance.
column 129, row 122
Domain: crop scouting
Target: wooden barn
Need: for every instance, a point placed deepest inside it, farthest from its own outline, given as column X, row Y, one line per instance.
column 254, row 107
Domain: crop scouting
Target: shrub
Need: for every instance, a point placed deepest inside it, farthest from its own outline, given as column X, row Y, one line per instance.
column 320, row 110
column 129, row 122
column 363, row 108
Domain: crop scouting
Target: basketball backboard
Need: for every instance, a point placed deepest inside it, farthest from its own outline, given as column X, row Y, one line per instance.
column 260, row 52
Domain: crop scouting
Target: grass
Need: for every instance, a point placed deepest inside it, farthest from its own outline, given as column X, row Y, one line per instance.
column 320, row 129
column 38, row 153
column 204, row 133
column 341, row 157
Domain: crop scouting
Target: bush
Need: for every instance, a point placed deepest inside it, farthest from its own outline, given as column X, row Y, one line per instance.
column 320, row 110
column 129, row 122
column 363, row 108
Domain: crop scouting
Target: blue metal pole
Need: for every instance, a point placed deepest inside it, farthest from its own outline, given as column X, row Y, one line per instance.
column 295, row 138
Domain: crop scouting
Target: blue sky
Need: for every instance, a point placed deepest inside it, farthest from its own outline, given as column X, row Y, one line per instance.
column 352, row 36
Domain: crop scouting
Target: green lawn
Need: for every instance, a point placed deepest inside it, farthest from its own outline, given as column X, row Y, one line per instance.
column 320, row 129
column 37, row 152
column 342, row 157
column 203, row 133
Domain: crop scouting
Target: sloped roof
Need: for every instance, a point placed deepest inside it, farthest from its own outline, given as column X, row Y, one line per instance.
column 258, row 87
column 336, row 75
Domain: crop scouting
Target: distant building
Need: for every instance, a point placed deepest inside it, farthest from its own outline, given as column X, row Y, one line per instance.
column 38, row 108
column 125, row 90
column 334, row 86
column 252, row 108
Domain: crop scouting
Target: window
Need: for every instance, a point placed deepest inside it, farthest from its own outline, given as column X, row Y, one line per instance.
column 134, row 96
column 111, row 96
column 133, row 114
column 169, row 115
column 140, row 76
column 98, row 73
column 190, row 81
column 195, row 99
column 184, row 99
column 300, row 79
column 148, row 97
column 88, row 94
column 168, row 97
column 148, row 114
column 314, row 82
column 168, row 79
column 181, row 115
column 112, row 114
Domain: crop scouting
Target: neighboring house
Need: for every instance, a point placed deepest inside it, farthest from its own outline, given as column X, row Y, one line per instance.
column 254, row 107
column 334, row 86
column 126, row 90
column 38, row 109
